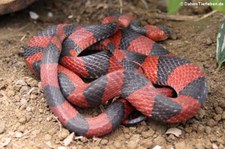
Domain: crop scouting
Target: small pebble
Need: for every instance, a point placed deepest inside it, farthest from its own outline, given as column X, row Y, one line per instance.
column 62, row 147
column 18, row 134
column 219, row 110
column 10, row 93
column 211, row 123
column 23, row 101
column 63, row 134
column 117, row 144
column 48, row 137
column 147, row 134
column 21, row 128
column 134, row 141
column 223, row 115
column 24, row 90
column 214, row 146
column 68, row 139
column 157, row 147
column 159, row 140
column 33, row 15
column 217, row 117
column 21, row 83
column 208, row 129
column 104, row 141
column 50, row 14
column 23, row 120
column 2, row 127
column 209, row 41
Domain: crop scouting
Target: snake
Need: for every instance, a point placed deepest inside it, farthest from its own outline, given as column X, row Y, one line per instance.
column 119, row 63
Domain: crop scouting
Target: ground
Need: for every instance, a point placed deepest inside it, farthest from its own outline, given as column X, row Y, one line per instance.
column 26, row 121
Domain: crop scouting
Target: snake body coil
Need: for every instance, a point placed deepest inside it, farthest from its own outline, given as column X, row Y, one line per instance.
column 128, row 64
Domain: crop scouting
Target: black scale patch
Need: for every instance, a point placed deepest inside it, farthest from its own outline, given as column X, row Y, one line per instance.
column 78, row 124
column 132, row 82
column 51, row 54
column 95, row 91
column 158, row 50
column 66, row 85
column 164, row 108
column 54, row 96
column 198, row 89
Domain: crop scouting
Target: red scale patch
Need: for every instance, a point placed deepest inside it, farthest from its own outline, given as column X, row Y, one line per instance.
column 112, row 84
column 49, row 78
column 183, row 75
column 141, row 45
column 143, row 99
column 150, row 66
column 99, row 126
column 64, row 112
column 83, row 38
column 190, row 107
column 75, row 64
column 31, row 59
column 77, row 97
column 155, row 33
column 40, row 41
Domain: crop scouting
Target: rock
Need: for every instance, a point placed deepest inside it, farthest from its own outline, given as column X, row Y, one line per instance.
column 2, row 127
column 23, row 101
column 52, row 131
column 214, row 146
column 18, row 134
column 201, row 113
column 117, row 144
column 104, row 141
column 24, row 90
column 208, row 129
column 217, row 117
column 147, row 134
column 62, row 147
column 223, row 115
column 219, row 110
column 21, row 83
column 23, row 120
column 68, row 139
column 175, row 131
column 33, row 15
column 21, row 128
column 208, row 41
column 4, row 142
column 171, row 138
column 201, row 128
column 127, row 136
column 211, row 123
column 48, row 137
column 159, row 140
column 10, row 93
column 146, row 143
column 180, row 145
column 63, row 134
column 33, row 96
column 157, row 147
column 133, row 142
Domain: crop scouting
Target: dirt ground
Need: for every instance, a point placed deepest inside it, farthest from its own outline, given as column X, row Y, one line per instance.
column 25, row 119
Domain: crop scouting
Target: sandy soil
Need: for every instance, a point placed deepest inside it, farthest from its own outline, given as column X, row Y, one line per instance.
column 25, row 119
